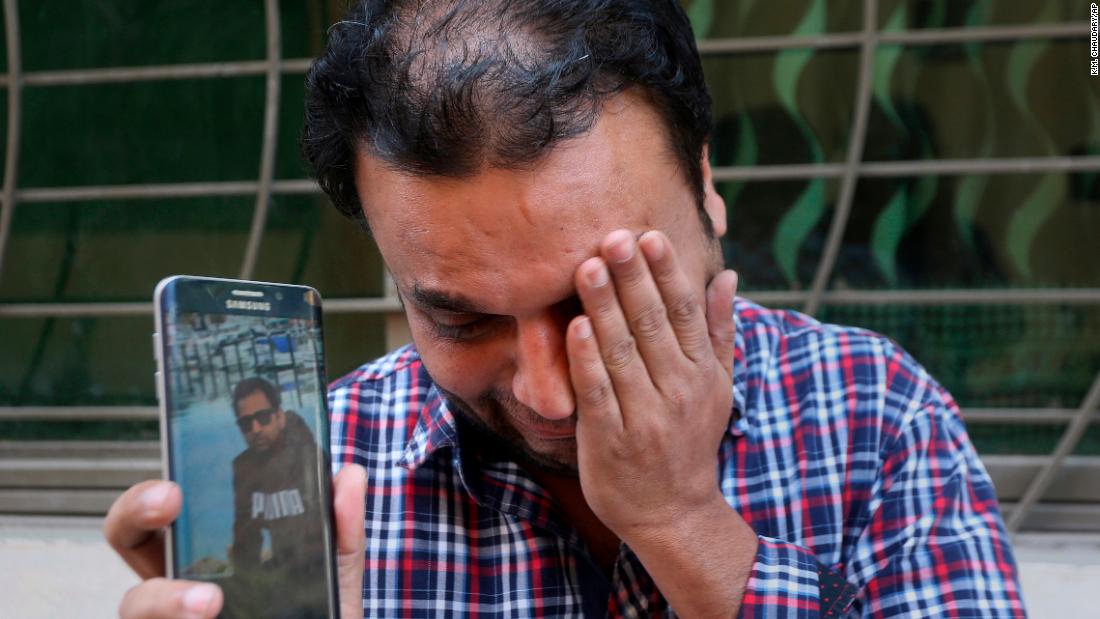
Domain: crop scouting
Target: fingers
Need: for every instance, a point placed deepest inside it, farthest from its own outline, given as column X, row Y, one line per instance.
column 134, row 524
column 598, row 408
column 617, row 345
column 643, row 307
column 683, row 307
column 651, row 329
column 179, row 599
column 720, row 323
column 349, row 490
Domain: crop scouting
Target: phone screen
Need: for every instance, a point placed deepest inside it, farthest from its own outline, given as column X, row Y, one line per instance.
column 247, row 437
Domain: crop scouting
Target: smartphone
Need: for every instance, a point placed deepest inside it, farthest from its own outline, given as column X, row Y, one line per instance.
column 245, row 434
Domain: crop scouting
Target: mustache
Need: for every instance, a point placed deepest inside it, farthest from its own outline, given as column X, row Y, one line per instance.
column 508, row 404
column 494, row 432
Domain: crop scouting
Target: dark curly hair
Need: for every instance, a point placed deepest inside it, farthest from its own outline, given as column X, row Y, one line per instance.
column 447, row 87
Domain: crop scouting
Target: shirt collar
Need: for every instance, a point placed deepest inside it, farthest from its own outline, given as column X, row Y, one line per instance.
column 738, row 424
column 436, row 427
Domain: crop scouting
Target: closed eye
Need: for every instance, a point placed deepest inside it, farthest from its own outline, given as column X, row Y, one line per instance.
column 462, row 328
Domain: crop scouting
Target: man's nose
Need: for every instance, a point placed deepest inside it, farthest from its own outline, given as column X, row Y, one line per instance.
column 541, row 381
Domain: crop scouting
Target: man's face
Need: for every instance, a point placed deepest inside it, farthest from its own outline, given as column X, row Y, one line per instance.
column 485, row 265
column 252, row 411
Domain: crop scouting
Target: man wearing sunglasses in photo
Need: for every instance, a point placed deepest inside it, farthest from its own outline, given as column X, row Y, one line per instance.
column 272, row 491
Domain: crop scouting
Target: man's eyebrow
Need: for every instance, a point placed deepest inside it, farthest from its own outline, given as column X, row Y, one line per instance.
column 437, row 299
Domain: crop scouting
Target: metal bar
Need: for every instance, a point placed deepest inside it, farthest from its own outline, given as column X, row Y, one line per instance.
column 1054, row 296
column 243, row 68
column 114, row 75
column 944, row 167
column 295, row 186
column 939, row 36
column 109, row 75
column 1066, row 444
column 780, row 172
column 365, row 305
column 65, row 448
column 1076, row 480
column 939, row 167
column 102, row 472
column 780, row 298
column 1045, row 416
column 855, row 154
column 78, row 413
column 163, row 190
column 132, row 192
column 142, row 309
column 753, row 45
column 1063, row 517
column 270, row 139
column 1013, row 296
column 958, row 167
column 15, row 114
column 1018, row 296
column 54, row 501
column 65, row 310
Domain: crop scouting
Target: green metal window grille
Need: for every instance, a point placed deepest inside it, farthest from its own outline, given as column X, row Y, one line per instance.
column 929, row 169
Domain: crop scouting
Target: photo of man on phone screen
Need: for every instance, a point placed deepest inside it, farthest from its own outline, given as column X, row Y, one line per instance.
column 247, row 437
column 271, row 486
column 274, row 495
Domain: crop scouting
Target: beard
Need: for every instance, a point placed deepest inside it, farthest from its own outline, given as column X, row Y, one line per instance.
column 495, row 429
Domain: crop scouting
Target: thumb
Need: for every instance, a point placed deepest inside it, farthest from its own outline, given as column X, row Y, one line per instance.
column 720, row 323
column 349, row 490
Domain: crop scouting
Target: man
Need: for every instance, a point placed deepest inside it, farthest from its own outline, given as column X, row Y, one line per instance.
column 273, row 479
column 275, row 490
column 589, row 423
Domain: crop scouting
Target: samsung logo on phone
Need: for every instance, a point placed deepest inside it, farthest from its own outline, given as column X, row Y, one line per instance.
column 256, row 306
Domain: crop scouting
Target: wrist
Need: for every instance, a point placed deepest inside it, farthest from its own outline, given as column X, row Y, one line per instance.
column 700, row 560
column 712, row 521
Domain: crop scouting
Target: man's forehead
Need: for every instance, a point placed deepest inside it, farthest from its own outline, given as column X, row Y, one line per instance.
column 254, row 397
column 504, row 238
column 626, row 149
column 494, row 248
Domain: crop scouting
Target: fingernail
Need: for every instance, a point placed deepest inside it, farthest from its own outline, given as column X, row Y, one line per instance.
column 597, row 275
column 197, row 599
column 652, row 245
column 584, row 329
column 153, row 498
column 622, row 249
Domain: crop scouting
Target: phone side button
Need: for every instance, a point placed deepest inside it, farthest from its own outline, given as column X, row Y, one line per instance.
column 160, row 387
column 156, row 346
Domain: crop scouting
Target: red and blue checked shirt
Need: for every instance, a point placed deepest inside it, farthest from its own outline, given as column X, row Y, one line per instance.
column 846, row 457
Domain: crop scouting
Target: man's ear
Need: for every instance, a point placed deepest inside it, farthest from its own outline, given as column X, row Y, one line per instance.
column 713, row 204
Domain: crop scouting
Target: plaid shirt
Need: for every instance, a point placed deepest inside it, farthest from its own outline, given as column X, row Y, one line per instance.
column 846, row 457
